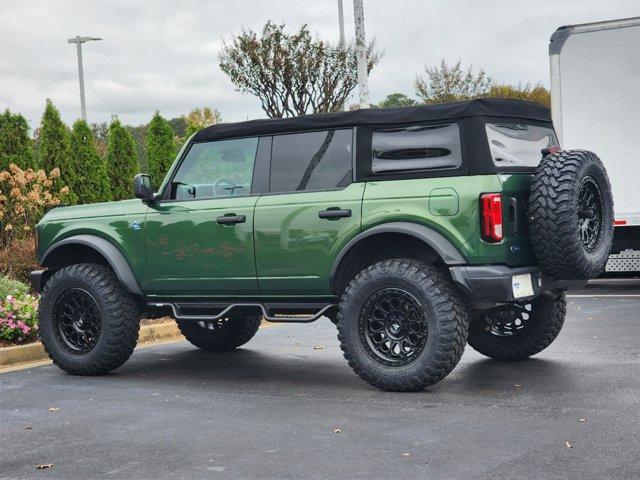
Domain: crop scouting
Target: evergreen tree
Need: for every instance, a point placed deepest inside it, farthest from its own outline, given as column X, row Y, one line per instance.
column 54, row 148
column 160, row 148
column 15, row 143
column 139, row 134
column 122, row 160
column 92, row 183
column 397, row 100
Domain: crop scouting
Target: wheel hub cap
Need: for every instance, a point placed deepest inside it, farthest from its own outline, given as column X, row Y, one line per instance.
column 77, row 321
column 393, row 327
column 590, row 214
column 507, row 321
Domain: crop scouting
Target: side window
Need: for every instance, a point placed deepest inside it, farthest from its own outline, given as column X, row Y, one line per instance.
column 416, row 148
column 216, row 169
column 518, row 144
column 311, row 161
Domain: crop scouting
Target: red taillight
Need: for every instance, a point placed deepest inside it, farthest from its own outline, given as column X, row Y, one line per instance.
column 491, row 217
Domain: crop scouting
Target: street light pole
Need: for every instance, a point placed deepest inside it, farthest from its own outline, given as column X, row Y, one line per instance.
column 361, row 53
column 341, row 22
column 78, row 40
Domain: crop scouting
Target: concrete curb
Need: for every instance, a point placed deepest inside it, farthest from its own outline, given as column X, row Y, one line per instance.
column 32, row 352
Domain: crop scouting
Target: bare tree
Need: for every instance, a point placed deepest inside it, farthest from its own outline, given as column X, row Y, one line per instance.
column 450, row 84
column 292, row 74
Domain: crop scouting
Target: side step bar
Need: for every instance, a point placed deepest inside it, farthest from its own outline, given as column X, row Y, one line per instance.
column 178, row 315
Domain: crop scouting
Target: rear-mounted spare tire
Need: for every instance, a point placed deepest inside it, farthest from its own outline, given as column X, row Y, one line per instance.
column 571, row 215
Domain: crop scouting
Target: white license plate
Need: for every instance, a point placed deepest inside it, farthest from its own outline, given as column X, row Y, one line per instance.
column 522, row 286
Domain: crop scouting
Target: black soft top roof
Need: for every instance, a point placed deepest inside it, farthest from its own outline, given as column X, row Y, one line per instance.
column 490, row 107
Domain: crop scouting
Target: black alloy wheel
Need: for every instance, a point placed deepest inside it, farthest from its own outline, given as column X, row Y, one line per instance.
column 77, row 321
column 393, row 326
column 508, row 320
column 590, row 214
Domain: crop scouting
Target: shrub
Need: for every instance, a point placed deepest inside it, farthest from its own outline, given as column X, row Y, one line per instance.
column 18, row 312
column 10, row 286
column 19, row 260
column 451, row 83
column 92, row 183
column 122, row 161
column 160, row 148
column 536, row 93
column 24, row 196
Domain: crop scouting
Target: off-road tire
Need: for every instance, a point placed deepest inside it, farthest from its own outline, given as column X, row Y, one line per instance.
column 118, row 317
column 553, row 215
column 446, row 321
column 227, row 334
column 539, row 331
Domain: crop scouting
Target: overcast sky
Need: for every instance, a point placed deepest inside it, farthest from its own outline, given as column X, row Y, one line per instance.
column 163, row 55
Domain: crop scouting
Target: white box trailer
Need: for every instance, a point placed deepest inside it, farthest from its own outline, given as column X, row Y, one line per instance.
column 595, row 105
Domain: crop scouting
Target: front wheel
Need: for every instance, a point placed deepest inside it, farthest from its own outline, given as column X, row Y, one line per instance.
column 402, row 325
column 88, row 322
column 520, row 330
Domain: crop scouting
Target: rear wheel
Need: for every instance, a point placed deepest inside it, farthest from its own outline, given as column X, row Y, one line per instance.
column 518, row 331
column 402, row 325
column 220, row 335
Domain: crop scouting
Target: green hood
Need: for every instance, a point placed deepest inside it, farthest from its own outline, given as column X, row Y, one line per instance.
column 107, row 209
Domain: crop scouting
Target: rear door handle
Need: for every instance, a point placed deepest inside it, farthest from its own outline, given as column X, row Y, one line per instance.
column 335, row 213
column 231, row 218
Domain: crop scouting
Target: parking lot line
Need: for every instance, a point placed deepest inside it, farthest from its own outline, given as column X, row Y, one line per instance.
column 598, row 295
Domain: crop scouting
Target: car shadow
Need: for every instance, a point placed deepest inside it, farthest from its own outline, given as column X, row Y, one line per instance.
column 247, row 369
column 244, row 368
column 486, row 373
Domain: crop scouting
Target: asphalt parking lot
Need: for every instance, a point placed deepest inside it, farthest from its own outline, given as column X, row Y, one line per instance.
column 272, row 410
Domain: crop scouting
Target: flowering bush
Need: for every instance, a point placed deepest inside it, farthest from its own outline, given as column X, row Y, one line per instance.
column 18, row 312
column 24, row 196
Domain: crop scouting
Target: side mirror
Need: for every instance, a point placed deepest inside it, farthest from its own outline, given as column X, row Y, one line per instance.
column 142, row 187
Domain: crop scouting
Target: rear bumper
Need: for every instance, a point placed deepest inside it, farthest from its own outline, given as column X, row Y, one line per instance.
column 494, row 283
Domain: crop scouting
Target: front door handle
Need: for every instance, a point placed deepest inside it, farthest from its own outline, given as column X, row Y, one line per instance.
column 230, row 219
column 335, row 213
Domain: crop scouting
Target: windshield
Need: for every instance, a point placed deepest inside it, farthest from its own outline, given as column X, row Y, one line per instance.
column 518, row 144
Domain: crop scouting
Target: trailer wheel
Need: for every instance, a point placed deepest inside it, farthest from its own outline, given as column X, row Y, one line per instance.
column 571, row 215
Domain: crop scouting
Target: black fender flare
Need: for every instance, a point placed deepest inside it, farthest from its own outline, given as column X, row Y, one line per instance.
column 110, row 252
column 440, row 244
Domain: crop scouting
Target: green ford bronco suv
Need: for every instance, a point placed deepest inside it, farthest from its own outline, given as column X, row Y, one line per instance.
column 415, row 230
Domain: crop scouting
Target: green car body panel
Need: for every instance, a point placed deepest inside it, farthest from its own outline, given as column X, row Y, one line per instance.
column 283, row 249
column 114, row 221
column 190, row 254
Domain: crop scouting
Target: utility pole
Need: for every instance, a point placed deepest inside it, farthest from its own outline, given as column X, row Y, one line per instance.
column 361, row 52
column 78, row 40
column 341, row 22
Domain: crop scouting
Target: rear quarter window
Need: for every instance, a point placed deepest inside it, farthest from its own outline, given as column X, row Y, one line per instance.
column 416, row 148
column 518, row 144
